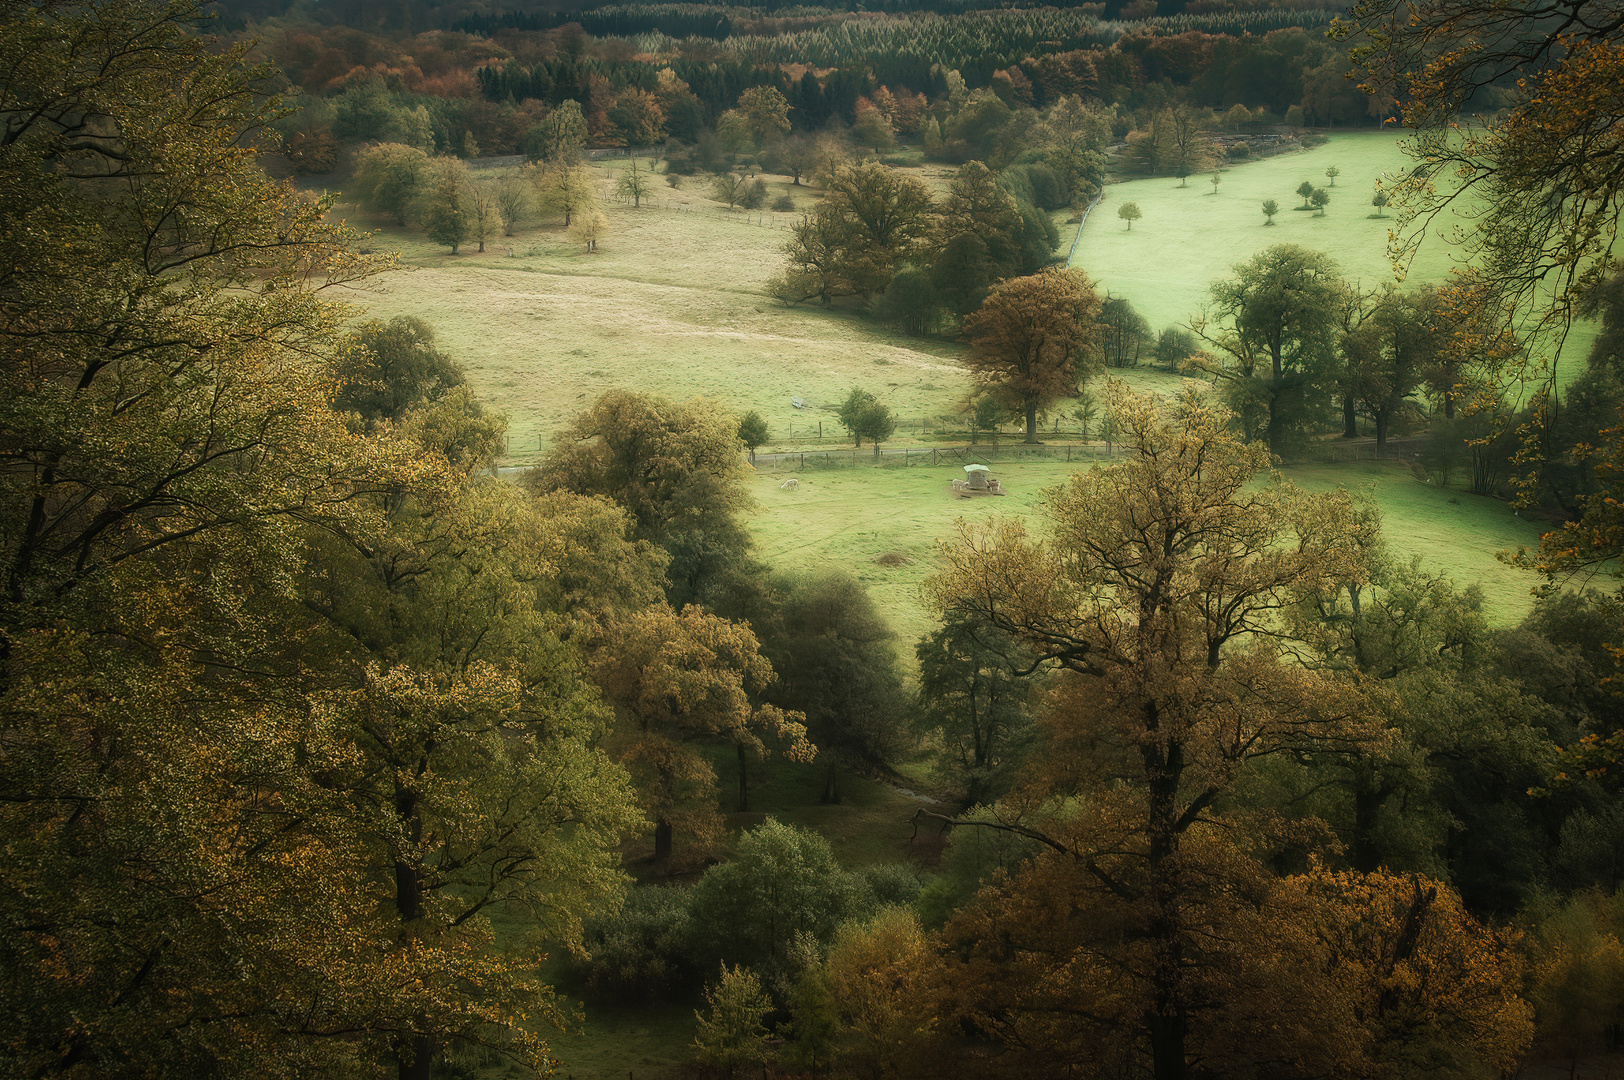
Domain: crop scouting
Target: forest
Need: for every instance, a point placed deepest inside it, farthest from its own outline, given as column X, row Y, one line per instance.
column 338, row 740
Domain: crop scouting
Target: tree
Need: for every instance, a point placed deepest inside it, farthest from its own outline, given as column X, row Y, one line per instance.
column 781, row 890
column 1123, row 333
column 564, row 188
column 1129, row 212
column 1238, row 117
column 1275, row 324
column 1320, row 198
column 1306, row 190
column 1332, row 172
column 871, row 221
column 752, row 432
column 387, row 178
column 976, row 683
column 962, row 273
column 731, row 1032
column 676, row 678
column 833, row 652
column 515, row 202
column 729, row 188
column 1379, row 200
column 864, row 415
column 765, row 113
column 1270, row 208
column 635, row 185
column 1031, row 338
column 443, row 208
column 485, row 217
column 212, row 864
column 873, row 129
column 977, row 203
column 675, row 468
column 389, row 369
column 1076, row 136
column 1160, row 708
column 637, row 116
column 1546, row 233
column 1388, row 354
column 911, row 303
column 558, row 139
column 590, row 226
column 1216, row 178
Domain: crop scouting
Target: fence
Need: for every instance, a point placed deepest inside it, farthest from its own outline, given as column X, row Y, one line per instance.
column 1084, row 221
column 910, row 457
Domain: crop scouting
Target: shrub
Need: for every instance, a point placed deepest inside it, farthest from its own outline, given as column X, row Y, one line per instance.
column 642, row 950
column 785, row 203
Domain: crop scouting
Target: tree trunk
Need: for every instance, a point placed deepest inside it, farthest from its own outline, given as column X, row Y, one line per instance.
column 831, row 783
column 1381, row 429
column 1367, row 801
column 744, row 778
column 1031, row 420
column 482, row 247
column 1350, row 418
column 662, row 841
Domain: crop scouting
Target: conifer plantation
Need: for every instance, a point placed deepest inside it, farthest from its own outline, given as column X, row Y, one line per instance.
column 361, row 717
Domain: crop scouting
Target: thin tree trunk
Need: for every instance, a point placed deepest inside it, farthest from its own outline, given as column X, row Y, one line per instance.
column 1031, row 420
column 662, row 841
column 1350, row 418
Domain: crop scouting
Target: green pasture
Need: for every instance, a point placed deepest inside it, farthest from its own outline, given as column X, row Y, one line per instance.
column 1190, row 237
column 863, row 519
column 673, row 302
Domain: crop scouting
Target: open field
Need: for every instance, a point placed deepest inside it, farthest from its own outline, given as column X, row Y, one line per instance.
column 674, row 302
column 1190, row 237
column 851, row 517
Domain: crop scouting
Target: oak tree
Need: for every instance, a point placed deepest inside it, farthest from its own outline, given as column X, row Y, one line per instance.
column 1032, row 338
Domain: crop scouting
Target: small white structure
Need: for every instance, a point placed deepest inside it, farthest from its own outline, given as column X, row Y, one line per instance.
column 976, row 477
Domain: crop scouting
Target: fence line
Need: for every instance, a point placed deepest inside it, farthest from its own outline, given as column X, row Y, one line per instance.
column 1089, row 209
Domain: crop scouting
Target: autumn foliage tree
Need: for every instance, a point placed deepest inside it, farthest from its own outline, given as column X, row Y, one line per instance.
column 1155, row 595
column 678, row 677
column 1031, row 338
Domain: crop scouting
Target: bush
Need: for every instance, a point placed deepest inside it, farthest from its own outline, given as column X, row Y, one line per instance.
column 754, row 196
column 910, row 302
column 674, row 179
column 785, row 203
column 641, row 951
column 782, row 883
column 889, row 885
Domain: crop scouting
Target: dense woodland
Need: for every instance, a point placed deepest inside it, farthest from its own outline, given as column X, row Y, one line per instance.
column 318, row 736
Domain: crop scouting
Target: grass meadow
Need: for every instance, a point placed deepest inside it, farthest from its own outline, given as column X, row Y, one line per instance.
column 673, row 302
column 1191, row 237
column 885, row 525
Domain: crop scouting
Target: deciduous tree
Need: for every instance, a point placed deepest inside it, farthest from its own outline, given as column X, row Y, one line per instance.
column 1032, row 338
column 1149, row 594
column 1275, row 325
column 677, row 678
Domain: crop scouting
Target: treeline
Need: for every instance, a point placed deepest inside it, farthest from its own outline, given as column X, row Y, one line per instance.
column 494, row 89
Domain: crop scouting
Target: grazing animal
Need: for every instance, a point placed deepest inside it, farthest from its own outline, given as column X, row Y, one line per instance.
column 789, row 485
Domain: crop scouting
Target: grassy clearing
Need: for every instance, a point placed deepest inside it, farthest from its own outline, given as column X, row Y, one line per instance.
column 1190, row 237
column 674, row 302
column 852, row 517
